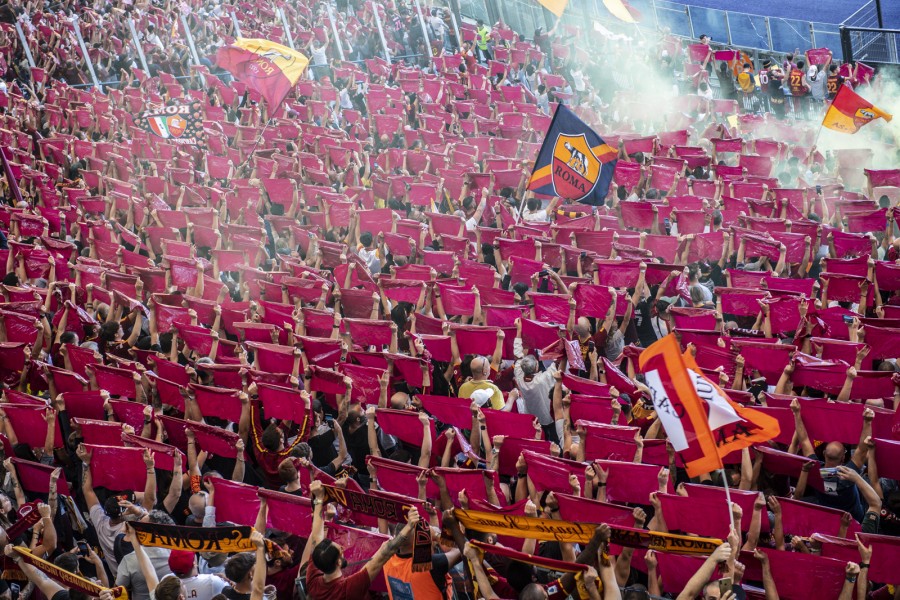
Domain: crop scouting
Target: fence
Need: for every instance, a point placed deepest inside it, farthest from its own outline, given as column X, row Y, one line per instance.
column 743, row 30
column 870, row 45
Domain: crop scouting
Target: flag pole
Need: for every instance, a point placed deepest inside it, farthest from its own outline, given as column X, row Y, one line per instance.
column 728, row 498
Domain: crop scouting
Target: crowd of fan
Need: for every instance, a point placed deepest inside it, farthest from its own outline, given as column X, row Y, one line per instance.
column 369, row 251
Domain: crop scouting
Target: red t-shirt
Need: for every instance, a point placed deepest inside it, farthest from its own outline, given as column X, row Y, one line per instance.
column 354, row 587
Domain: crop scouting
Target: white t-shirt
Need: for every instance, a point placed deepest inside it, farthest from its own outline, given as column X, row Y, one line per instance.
column 106, row 535
column 538, row 216
column 203, row 587
column 319, row 57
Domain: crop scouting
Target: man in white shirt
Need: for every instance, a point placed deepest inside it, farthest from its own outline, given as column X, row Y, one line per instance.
column 196, row 587
column 129, row 575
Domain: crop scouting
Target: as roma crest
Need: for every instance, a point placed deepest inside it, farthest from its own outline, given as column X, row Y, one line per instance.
column 178, row 123
column 863, row 116
column 575, row 167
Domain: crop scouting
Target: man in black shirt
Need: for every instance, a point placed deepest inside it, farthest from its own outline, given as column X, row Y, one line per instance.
column 239, row 570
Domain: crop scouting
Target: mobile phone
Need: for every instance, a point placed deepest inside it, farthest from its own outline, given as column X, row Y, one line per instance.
column 848, row 319
column 542, row 273
column 724, row 586
column 829, row 473
column 83, row 548
column 591, row 346
column 329, row 420
column 818, row 189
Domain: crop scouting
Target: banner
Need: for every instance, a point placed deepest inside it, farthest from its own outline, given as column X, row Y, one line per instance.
column 574, row 162
column 680, row 408
column 69, row 580
column 575, row 532
column 178, row 123
column 530, row 559
column 849, row 112
column 390, row 510
column 383, row 508
column 195, row 539
column 269, row 68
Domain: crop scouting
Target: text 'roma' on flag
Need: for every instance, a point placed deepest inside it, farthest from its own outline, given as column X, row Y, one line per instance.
column 269, row 68
column 574, row 162
column 849, row 112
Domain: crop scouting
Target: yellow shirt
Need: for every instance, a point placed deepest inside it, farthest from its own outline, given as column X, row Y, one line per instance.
column 466, row 389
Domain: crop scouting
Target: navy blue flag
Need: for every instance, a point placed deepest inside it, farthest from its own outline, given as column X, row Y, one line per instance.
column 574, row 163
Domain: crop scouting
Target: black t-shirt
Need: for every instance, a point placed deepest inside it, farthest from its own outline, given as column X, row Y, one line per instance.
column 182, row 510
column 61, row 595
column 322, row 447
column 642, row 322
column 357, row 445
column 231, row 594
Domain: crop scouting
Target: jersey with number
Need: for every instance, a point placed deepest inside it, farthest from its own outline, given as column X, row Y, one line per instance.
column 796, row 83
column 834, row 83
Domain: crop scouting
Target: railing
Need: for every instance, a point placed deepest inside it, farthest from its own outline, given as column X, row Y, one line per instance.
column 742, row 30
column 870, row 45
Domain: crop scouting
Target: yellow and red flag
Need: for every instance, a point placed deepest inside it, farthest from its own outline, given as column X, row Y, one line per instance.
column 623, row 11
column 269, row 68
column 849, row 112
column 557, row 7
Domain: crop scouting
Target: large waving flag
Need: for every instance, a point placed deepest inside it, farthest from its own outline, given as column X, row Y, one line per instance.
column 574, row 162
column 849, row 112
column 623, row 11
column 679, row 407
column 748, row 428
column 557, row 7
column 701, row 421
column 269, row 68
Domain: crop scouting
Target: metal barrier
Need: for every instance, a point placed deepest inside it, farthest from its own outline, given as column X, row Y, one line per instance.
column 870, row 45
column 742, row 30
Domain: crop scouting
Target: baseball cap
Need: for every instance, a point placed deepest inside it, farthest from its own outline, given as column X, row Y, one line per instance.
column 481, row 397
column 181, row 562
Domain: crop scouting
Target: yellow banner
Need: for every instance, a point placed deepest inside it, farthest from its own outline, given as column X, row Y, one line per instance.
column 67, row 579
column 196, row 539
column 549, row 530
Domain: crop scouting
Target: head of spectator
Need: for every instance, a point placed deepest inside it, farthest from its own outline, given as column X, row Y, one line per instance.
column 328, row 557
column 182, row 563
column 239, row 570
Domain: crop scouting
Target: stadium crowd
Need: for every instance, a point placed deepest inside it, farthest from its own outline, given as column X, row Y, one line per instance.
column 356, row 292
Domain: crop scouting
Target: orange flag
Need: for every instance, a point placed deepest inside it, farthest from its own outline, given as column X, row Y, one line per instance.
column 557, row 7
column 849, row 112
column 751, row 426
column 679, row 407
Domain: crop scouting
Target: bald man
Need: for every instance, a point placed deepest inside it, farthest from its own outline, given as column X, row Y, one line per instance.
column 481, row 370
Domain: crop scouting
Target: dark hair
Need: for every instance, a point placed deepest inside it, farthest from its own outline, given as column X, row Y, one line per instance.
column 169, row 588
column 109, row 330
column 800, row 64
column 67, row 562
column 239, row 566
column 325, row 556
column 533, row 204
column 271, row 438
column 365, row 238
